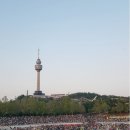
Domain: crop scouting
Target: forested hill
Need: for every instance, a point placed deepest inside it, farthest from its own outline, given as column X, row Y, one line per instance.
column 102, row 103
column 92, row 95
column 83, row 95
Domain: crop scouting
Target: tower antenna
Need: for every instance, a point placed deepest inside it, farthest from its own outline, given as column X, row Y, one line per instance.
column 38, row 53
column 27, row 93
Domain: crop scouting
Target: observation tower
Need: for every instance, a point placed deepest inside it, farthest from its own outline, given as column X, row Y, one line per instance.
column 38, row 68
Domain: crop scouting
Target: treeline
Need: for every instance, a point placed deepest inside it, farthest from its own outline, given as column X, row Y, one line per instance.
column 107, row 106
column 32, row 106
column 71, row 104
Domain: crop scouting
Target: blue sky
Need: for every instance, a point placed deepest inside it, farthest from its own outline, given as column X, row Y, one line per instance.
column 83, row 46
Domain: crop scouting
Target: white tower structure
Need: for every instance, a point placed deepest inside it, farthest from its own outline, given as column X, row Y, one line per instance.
column 38, row 68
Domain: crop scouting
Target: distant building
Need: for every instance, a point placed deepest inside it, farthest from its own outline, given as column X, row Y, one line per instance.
column 57, row 96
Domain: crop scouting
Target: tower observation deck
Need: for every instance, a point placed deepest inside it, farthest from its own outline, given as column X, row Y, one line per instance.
column 38, row 68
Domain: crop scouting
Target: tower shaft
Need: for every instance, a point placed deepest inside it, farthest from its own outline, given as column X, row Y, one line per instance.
column 38, row 81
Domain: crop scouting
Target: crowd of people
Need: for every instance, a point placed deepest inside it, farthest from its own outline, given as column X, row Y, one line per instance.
column 65, row 122
column 25, row 120
column 79, row 127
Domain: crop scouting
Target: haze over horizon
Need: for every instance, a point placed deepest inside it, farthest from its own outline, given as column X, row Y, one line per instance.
column 83, row 46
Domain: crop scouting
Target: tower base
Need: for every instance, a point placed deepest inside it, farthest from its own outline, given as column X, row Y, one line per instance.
column 38, row 93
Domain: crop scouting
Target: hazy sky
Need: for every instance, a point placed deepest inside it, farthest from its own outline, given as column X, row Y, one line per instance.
column 83, row 46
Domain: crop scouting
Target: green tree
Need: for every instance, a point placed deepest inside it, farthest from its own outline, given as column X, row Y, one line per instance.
column 100, row 106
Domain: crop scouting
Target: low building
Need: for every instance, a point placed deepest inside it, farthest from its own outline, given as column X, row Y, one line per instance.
column 57, row 96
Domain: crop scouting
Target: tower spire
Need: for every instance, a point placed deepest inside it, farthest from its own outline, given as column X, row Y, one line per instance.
column 38, row 53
